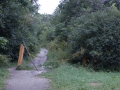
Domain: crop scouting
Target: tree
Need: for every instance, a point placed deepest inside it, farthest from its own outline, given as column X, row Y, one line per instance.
column 15, row 23
column 92, row 26
column 98, row 33
column 71, row 9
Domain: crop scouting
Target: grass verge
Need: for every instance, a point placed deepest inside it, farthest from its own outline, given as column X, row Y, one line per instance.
column 25, row 65
column 67, row 77
column 3, row 75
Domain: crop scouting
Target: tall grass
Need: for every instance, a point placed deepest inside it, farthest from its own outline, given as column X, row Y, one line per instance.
column 25, row 65
column 3, row 76
column 68, row 77
column 55, row 57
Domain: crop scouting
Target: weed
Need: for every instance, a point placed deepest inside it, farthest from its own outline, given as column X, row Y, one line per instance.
column 67, row 77
column 24, row 66
column 56, row 57
column 3, row 76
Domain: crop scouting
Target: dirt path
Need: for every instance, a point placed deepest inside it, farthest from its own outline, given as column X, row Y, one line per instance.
column 28, row 79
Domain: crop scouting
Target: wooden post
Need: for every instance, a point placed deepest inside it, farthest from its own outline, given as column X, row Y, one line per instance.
column 84, row 60
column 21, row 52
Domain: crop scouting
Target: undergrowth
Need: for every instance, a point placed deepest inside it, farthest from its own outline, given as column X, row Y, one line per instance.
column 68, row 77
column 3, row 76
column 25, row 65
column 56, row 57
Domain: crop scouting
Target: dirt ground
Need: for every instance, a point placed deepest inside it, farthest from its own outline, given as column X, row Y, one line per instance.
column 28, row 79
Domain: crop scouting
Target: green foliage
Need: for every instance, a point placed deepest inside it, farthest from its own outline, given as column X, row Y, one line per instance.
column 18, row 22
column 46, row 34
column 110, row 2
column 3, row 76
column 98, row 33
column 69, row 9
column 3, row 43
column 73, row 8
column 68, row 77
column 24, row 66
column 4, row 61
column 92, row 25
column 56, row 54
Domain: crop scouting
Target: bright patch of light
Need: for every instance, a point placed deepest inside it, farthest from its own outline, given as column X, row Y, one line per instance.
column 48, row 6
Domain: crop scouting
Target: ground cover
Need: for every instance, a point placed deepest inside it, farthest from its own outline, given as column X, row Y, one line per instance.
column 68, row 77
column 3, row 76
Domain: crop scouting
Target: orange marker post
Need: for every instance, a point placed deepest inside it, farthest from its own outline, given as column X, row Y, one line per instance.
column 21, row 52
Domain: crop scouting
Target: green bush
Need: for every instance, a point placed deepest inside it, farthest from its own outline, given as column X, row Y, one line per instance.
column 3, row 75
column 18, row 22
column 3, row 42
column 99, row 34
column 57, row 53
column 4, row 60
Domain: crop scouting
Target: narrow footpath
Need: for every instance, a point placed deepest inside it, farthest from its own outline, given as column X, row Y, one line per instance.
column 29, row 79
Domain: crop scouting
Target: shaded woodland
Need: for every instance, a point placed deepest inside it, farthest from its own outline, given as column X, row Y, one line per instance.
column 91, row 27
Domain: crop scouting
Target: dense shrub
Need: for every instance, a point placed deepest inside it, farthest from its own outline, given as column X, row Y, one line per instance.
column 99, row 34
column 3, row 43
column 17, row 23
column 4, row 60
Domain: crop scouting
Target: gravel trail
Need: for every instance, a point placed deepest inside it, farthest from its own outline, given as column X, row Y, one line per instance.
column 28, row 79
